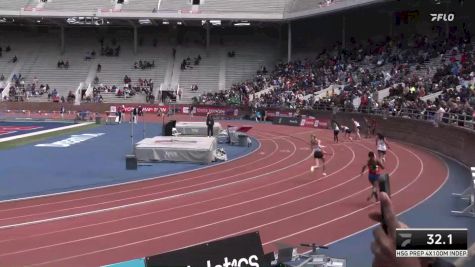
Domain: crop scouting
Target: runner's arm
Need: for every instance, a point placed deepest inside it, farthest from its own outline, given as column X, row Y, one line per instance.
column 362, row 170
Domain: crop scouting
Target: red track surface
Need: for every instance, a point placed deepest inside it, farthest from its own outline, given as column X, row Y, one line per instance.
column 271, row 190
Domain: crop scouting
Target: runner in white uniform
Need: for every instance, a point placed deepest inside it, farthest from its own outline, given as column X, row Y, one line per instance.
column 357, row 129
column 382, row 147
column 347, row 131
column 336, row 131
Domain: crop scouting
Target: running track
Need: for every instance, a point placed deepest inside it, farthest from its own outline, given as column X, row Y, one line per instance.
column 271, row 190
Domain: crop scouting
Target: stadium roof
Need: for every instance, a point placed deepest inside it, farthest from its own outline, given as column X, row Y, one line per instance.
column 257, row 10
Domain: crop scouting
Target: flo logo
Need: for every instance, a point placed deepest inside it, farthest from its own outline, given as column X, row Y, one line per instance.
column 442, row 17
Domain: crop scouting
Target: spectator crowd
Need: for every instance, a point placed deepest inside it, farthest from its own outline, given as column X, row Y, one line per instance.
column 412, row 67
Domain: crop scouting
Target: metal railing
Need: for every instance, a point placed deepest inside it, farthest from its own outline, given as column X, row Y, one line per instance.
column 467, row 195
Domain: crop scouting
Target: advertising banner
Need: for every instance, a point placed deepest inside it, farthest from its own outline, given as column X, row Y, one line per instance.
column 220, row 111
column 272, row 114
column 145, row 108
column 286, row 121
column 240, row 251
column 314, row 123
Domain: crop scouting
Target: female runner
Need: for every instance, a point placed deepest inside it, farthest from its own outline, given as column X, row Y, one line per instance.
column 382, row 146
column 357, row 128
column 347, row 131
column 374, row 166
column 318, row 153
column 336, row 131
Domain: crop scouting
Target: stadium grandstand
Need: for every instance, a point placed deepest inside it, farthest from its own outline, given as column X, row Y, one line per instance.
column 211, row 104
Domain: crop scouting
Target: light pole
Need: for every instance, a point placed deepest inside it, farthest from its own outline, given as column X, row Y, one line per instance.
column 143, row 124
column 163, row 122
column 132, row 135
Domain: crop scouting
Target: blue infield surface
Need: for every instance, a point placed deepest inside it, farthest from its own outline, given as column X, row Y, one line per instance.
column 95, row 158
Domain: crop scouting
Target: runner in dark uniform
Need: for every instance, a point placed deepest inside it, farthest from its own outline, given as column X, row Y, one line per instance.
column 373, row 127
column 374, row 167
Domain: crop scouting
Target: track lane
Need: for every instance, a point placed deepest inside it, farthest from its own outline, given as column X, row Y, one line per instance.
column 251, row 207
column 133, row 186
column 133, row 248
column 124, row 199
column 251, row 194
column 433, row 175
column 262, row 175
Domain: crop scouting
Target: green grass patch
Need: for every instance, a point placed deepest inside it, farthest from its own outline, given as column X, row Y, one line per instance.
column 40, row 137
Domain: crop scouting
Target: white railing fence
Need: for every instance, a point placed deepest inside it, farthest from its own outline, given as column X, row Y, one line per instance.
column 467, row 195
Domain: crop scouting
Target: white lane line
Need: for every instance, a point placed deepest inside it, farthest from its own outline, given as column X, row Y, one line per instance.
column 125, row 183
column 6, row 139
column 207, row 225
column 273, row 222
column 152, row 200
column 412, row 182
column 411, row 207
column 285, row 136
column 188, row 205
column 201, row 213
column 356, row 211
column 144, row 195
column 209, row 211
column 147, row 187
column 402, row 212
column 143, row 180
column 397, row 165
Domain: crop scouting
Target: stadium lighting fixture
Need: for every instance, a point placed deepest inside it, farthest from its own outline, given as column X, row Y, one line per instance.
column 7, row 20
column 87, row 21
column 145, row 21
column 179, row 23
column 242, row 23
column 98, row 22
column 165, row 22
column 215, row 22
column 71, row 20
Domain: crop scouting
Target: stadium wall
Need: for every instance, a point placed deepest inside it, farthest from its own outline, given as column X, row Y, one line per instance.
column 453, row 141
